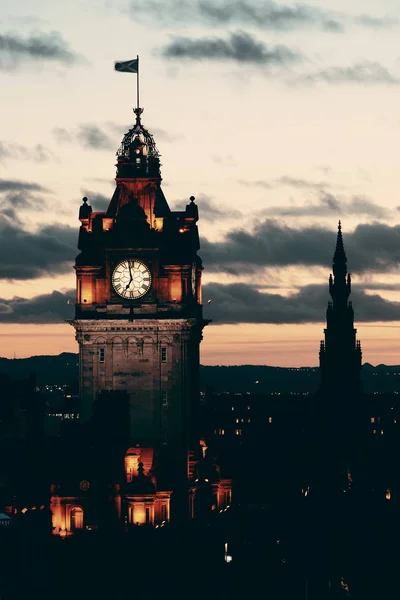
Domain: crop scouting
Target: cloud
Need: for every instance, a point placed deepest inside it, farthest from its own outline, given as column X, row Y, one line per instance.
column 45, row 308
column 17, row 195
column 330, row 205
column 265, row 15
column 15, row 151
column 230, row 304
column 240, row 303
column 17, row 185
column 97, row 201
column 376, row 22
column 365, row 72
column 269, row 15
column 15, row 50
column 89, row 135
column 240, row 47
column 289, row 181
column 29, row 255
column 209, row 209
column 373, row 247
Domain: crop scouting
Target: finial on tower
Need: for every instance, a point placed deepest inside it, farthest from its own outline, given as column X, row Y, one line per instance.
column 138, row 111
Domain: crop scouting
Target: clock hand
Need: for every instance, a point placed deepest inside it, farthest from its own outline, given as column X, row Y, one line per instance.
column 130, row 274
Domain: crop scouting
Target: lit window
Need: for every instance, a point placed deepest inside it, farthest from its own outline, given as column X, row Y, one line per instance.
column 233, row 408
column 248, row 408
column 238, row 432
column 381, row 431
column 101, row 355
column 163, row 355
column 269, row 419
column 394, row 421
column 388, row 494
column 374, row 431
column 237, row 420
column 221, row 431
column 164, row 398
column 248, row 420
column 372, row 419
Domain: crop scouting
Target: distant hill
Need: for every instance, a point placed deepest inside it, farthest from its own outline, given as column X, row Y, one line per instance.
column 63, row 369
column 49, row 369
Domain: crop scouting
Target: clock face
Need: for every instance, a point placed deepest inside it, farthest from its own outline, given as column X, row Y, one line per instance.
column 131, row 279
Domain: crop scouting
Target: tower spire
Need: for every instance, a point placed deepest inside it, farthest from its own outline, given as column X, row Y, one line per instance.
column 339, row 258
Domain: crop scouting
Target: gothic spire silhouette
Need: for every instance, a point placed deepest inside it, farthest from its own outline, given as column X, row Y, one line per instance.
column 340, row 352
column 340, row 414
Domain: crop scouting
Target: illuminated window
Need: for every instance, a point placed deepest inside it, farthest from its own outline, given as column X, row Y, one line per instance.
column 372, row 419
column 374, row 431
column 242, row 420
column 269, row 419
column 394, row 421
column 388, row 494
column 248, row 408
column 76, row 516
column 164, row 398
column 381, row 431
column 248, row 420
column 238, row 432
column 101, row 355
column 237, row 420
column 163, row 355
column 233, row 408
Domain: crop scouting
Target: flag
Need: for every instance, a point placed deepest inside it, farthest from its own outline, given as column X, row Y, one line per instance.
column 129, row 66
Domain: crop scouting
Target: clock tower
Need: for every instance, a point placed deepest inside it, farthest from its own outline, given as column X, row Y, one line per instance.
column 138, row 317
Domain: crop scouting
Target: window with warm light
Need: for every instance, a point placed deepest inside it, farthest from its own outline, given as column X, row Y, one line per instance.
column 76, row 517
column 238, row 432
column 374, row 432
column 269, row 419
column 381, row 431
column 372, row 419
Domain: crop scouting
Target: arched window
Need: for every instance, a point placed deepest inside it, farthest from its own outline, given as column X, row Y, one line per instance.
column 76, row 516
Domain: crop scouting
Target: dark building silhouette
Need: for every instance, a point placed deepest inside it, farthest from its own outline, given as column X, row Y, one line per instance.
column 340, row 424
column 340, row 352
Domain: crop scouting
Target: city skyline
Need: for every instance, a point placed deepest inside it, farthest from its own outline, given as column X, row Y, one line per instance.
column 280, row 120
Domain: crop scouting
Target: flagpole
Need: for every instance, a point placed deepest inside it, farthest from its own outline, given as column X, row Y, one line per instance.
column 137, row 83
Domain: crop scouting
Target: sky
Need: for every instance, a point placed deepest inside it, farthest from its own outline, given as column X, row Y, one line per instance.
column 280, row 119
